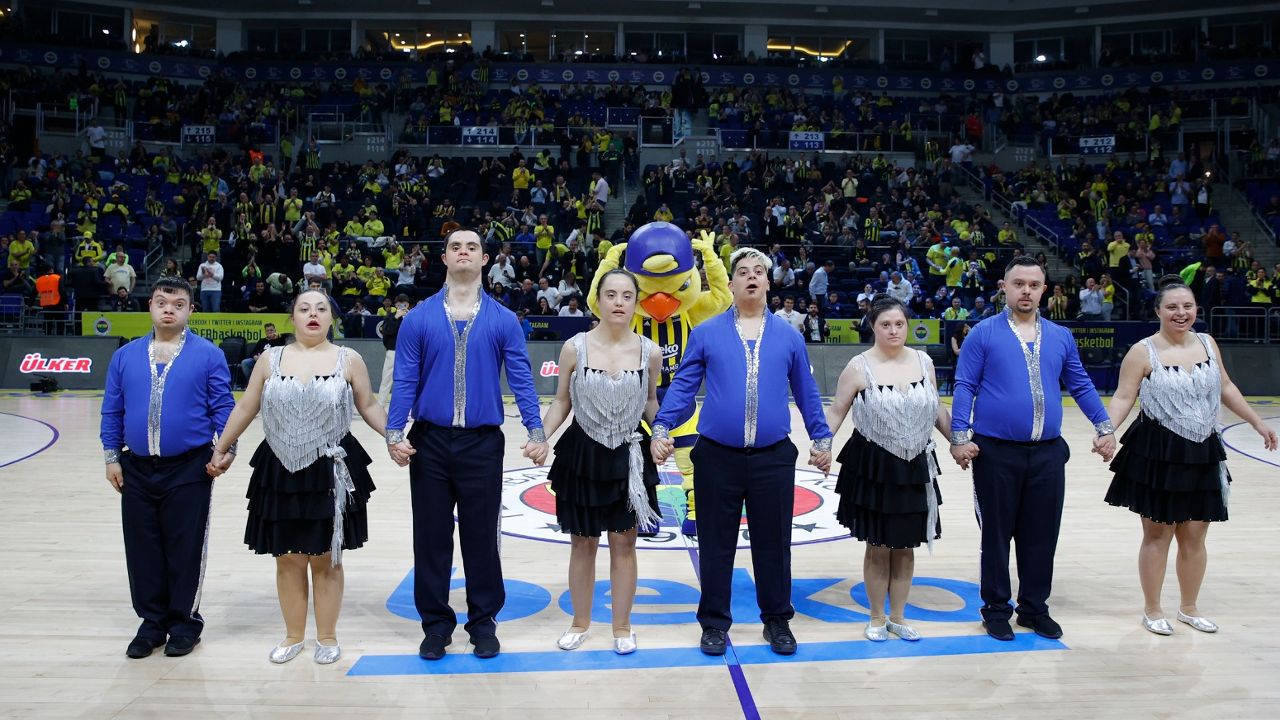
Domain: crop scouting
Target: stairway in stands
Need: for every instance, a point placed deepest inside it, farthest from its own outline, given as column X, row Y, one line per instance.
column 1236, row 215
column 1059, row 268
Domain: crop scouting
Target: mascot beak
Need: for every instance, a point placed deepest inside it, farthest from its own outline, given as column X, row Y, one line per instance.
column 660, row 306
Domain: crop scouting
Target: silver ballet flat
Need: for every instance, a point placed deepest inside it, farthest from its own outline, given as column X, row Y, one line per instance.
column 625, row 645
column 571, row 640
column 1204, row 625
column 902, row 630
column 1159, row 627
column 876, row 633
column 327, row 654
column 282, row 654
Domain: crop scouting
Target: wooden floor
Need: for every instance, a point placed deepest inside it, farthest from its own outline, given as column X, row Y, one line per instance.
column 65, row 615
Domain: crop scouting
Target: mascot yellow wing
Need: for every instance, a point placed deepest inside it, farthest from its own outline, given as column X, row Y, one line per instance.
column 716, row 297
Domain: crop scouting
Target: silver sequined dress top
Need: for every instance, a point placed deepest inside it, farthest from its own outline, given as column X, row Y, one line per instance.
column 1186, row 402
column 307, row 420
column 901, row 421
column 608, row 408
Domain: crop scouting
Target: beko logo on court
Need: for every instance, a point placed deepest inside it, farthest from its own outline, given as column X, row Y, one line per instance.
column 529, row 510
column 35, row 363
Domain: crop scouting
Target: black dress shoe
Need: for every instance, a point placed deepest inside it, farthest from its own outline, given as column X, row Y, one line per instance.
column 141, row 647
column 713, row 641
column 781, row 641
column 486, row 646
column 432, row 647
column 178, row 647
column 999, row 629
column 1045, row 626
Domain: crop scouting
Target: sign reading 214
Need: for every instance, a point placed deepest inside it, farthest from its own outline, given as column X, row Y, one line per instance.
column 529, row 510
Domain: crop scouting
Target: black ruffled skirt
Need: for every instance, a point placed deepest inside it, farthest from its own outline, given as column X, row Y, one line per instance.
column 1167, row 478
column 292, row 512
column 590, row 484
column 883, row 498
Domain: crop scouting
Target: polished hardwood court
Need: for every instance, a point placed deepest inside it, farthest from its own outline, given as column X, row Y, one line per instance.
column 65, row 615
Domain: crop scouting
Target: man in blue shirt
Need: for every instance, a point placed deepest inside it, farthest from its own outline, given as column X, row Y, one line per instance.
column 750, row 360
column 1007, row 420
column 449, row 355
column 168, row 396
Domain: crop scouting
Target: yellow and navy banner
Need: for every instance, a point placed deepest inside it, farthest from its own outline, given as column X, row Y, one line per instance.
column 212, row 326
column 923, row 332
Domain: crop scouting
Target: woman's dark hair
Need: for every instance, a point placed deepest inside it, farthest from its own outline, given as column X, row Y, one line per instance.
column 1167, row 283
column 882, row 303
column 616, row 271
column 294, row 303
column 172, row 285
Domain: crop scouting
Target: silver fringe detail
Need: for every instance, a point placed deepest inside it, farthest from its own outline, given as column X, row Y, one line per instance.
column 460, row 357
column 156, row 401
column 343, row 489
column 1225, row 481
column 1033, row 375
column 302, row 420
column 204, row 554
column 752, row 410
column 899, row 421
column 1186, row 402
column 608, row 408
column 931, row 526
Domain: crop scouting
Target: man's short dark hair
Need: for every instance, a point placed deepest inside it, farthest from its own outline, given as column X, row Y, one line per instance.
column 1023, row 261
column 171, row 285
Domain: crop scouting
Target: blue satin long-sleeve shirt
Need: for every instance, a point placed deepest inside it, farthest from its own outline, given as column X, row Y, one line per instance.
column 424, row 367
column 715, row 354
column 993, row 390
column 196, row 404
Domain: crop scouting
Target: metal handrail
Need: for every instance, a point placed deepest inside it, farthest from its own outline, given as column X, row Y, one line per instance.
column 1224, row 325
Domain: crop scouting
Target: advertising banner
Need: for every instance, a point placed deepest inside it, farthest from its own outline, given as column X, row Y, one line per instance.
column 211, row 326
column 922, row 332
column 74, row 363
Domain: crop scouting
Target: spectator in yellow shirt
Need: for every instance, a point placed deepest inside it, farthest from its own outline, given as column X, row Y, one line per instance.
column 663, row 213
column 211, row 237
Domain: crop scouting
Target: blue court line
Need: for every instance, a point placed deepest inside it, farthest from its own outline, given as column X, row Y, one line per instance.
column 740, row 686
column 464, row 663
column 1233, row 447
column 47, row 445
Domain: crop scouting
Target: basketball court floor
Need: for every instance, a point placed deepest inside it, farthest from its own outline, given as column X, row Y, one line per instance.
column 65, row 615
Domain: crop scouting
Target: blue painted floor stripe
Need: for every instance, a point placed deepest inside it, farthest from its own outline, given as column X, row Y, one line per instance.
column 559, row 661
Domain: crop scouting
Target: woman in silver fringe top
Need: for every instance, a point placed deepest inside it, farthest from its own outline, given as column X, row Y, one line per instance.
column 310, row 477
column 603, row 476
column 888, row 484
column 1171, row 469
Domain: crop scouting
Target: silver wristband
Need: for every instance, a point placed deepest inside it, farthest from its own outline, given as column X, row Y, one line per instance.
column 1105, row 428
column 822, row 445
column 961, row 437
column 661, row 432
column 537, row 435
column 111, row 456
column 395, row 436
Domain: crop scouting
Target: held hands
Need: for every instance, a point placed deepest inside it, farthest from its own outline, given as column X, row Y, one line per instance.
column 400, row 452
column 220, row 463
column 964, row 454
column 536, row 451
column 1105, row 445
column 115, row 476
column 821, row 459
column 661, row 449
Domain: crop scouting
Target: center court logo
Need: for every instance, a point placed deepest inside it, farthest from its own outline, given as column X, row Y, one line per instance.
column 529, row 510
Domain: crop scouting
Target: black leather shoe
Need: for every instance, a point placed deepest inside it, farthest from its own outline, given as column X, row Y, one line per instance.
column 999, row 629
column 713, row 641
column 781, row 641
column 486, row 646
column 178, row 647
column 141, row 647
column 432, row 647
column 1045, row 626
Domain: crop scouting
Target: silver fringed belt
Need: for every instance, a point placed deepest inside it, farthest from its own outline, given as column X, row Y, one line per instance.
column 637, row 495
column 931, row 493
column 343, row 492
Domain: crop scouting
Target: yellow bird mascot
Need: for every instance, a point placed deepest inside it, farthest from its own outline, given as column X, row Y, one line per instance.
column 672, row 302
